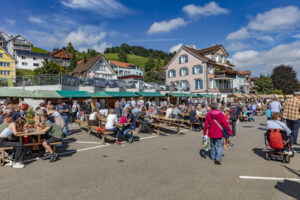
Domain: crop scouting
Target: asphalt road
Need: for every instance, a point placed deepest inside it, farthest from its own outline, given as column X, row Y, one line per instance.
column 165, row 167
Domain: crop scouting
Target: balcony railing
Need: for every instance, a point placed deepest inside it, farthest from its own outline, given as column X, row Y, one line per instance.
column 225, row 75
column 21, row 42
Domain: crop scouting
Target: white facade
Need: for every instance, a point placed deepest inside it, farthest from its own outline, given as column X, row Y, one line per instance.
column 29, row 60
column 102, row 69
column 128, row 70
column 240, row 84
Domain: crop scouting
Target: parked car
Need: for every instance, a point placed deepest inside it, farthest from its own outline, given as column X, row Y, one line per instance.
column 154, row 86
column 147, row 85
column 164, row 87
column 102, row 83
column 121, row 84
column 135, row 84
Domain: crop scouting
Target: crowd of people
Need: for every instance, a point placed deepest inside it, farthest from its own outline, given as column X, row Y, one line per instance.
column 217, row 118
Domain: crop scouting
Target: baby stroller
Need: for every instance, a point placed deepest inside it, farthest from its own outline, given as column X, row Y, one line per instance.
column 280, row 144
column 143, row 122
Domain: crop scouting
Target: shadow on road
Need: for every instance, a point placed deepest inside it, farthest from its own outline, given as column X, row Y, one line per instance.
column 204, row 154
column 297, row 172
column 260, row 152
column 290, row 188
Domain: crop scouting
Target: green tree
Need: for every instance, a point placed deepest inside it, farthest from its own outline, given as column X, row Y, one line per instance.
column 73, row 62
column 93, row 53
column 285, row 79
column 151, row 76
column 50, row 67
column 264, row 84
column 157, row 65
column 149, row 65
column 122, row 56
column 70, row 49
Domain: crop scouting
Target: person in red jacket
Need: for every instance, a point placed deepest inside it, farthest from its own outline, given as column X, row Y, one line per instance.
column 214, row 123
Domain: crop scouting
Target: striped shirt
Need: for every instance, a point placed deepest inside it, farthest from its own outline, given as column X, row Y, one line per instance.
column 292, row 109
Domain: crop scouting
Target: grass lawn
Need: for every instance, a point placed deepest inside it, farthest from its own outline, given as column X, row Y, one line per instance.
column 39, row 50
column 134, row 59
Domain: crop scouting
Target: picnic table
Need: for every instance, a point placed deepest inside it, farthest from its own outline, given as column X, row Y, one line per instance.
column 36, row 132
column 164, row 122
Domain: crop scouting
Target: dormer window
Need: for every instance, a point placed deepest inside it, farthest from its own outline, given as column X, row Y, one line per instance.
column 183, row 59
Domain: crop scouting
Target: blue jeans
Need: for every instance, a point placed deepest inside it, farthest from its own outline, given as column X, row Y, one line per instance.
column 126, row 131
column 115, row 130
column 65, row 118
column 118, row 112
column 294, row 125
column 216, row 144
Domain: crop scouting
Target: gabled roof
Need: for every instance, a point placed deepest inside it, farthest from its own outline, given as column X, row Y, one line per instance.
column 212, row 49
column 54, row 54
column 8, row 54
column 83, row 67
column 19, row 35
column 245, row 72
column 121, row 64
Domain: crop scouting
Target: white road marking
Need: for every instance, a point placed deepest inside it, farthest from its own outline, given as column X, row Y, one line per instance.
column 269, row 178
column 90, row 148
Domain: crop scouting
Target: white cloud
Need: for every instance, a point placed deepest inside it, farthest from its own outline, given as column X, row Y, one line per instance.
column 155, row 40
column 10, row 21
column 236, row 46
column 211, row 8
column 296, row 36
column 107, row 8
column 35, row 19
column 101, row 48
column 288, row 54
column 240, row 34
column 166, row 26
column 175, row 48
column 83, row 37
column 276, row 19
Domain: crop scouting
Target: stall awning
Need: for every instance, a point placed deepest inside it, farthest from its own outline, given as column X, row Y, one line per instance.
column 193, row 95
column 247, row 96
column 235, row 96
column 46, row 94
column 178, row 95
column 289, row 96
column 207, row 96
column 150, row 94
column 122, row 94
column 13, row 92
column 74, row 94
column 100, row 94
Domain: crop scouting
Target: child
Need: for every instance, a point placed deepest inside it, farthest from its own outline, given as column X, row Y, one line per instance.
column 226, row 115
column 268, row 113
column 56, row 136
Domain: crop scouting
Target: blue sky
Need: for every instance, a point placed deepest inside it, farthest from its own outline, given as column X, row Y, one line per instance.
column 257, row 34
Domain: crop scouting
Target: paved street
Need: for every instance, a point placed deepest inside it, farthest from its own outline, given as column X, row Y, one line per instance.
column 164, row 167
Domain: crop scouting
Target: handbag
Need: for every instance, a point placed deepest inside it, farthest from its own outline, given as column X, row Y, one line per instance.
column 224, row 130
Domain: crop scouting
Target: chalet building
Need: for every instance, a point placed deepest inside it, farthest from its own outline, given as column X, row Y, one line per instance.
column 61, row 57
column 21, row 49
column 98, row 66
column 125, row 70
column 201, row 71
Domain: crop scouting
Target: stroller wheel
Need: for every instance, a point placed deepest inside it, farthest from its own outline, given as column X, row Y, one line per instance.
column 293, row 153
column 267, row 156
column 287, row 159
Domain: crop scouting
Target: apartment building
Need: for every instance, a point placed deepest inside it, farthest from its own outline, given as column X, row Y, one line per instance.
column 201, row 71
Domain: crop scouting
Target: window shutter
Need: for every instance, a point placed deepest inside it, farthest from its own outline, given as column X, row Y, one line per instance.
column 196, row 84
column 168, row 74
column 201, row 69
column 179, row 59
column 180, row 72
column 193, row 70
column 174, row 73
column 201, row 84
column 187, row 71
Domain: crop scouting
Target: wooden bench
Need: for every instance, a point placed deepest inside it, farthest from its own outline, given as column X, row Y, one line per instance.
column 189, row 122
column 82, row 123
column 159, row 126
column 2, row 150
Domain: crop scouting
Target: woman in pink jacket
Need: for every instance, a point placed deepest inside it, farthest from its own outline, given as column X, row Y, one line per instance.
column 214, row 123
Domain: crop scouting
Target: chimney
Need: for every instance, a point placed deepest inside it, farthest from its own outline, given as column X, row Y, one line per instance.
column 84, row 60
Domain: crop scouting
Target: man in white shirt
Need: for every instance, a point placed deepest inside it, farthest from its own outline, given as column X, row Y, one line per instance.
column 110, row 125
column 133, row 102
column 169, row 112
column 275, row 106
